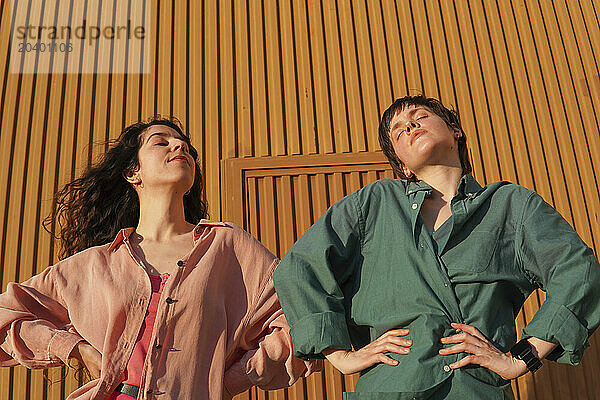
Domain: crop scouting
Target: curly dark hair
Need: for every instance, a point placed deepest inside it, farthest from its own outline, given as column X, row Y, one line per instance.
column 90, row 210
column 449, row 116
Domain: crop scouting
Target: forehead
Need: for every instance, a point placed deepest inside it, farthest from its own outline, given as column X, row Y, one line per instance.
column 404, row 114
column 409, row 111
column 160, row 131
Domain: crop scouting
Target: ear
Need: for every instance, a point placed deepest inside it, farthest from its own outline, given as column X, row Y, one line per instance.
column 457, row 133
column 133, row 176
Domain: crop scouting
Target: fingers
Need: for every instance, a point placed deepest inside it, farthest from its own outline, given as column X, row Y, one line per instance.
column 392, row 348
column 469, row 329
column 395, row 332
column 391, row 340
column 386, row 360
column 461, row 348
column 472, row 359
column 401, row 342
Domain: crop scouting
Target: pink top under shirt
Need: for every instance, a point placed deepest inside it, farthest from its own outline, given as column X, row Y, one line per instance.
column 133, row 372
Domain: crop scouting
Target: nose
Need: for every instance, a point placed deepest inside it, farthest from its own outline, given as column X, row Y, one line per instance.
column 410, row 125
column 180, row 144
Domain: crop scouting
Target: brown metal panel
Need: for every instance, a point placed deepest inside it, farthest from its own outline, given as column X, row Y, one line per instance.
column 529, row 131
column 592, row 30
column 133, row 79
column 226, row 79
column 353, row 90
column 585, row 54
column 306, row 103
column 443, row 67
column 553, row 71
column 318, row 58
column 541, row 112
column 492, row 94
column 211, row 148
column 475, row 80
column 394, row 52
column 274, row 91
column 370, row 102
column 510, row 126
column 244, row 132
column 148, row 91
column 414, row 81
column 291, row 110
column 427, row 62
column 116, row 89
column 460, row 77
column 163, row 60
column 374, row 21
column 258, row 82
column 180, row 65
column 336, row 84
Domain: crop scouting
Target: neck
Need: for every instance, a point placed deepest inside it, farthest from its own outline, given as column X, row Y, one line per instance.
column 443, row 179
column 162, row 216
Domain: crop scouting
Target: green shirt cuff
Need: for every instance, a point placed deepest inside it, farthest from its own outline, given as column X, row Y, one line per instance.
column 555, row 323
column 316, row 332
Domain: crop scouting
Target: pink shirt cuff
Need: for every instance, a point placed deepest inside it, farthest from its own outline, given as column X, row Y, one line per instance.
column 62, row 344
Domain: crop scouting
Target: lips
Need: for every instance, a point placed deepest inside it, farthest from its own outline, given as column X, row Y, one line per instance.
column 417, row 133
column 180, row 158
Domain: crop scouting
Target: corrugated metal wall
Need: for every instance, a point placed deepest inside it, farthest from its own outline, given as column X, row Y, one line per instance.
column 278, row 78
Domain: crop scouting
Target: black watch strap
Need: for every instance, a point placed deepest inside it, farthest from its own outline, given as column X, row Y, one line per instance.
column 522, row 351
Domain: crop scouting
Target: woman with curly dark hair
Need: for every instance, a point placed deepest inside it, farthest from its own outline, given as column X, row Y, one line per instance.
column 150, row 297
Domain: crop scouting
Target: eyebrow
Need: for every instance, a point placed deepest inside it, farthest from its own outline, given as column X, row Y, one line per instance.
column 165, row 134
column 410, row 114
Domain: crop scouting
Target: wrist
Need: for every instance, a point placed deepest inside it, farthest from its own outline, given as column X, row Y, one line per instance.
column 525, row 353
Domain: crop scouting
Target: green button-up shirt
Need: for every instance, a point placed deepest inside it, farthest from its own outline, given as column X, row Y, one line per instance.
column 369, row 265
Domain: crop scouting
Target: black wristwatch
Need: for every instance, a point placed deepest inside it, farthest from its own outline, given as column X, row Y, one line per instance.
column 522, row 351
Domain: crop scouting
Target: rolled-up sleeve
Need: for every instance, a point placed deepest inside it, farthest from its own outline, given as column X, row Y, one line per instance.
column 35, row 330
column 310, row 278
column 555, row 259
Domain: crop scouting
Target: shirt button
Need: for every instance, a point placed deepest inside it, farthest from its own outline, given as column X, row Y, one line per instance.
column 415, row 206
column 198, row 231
column 169, row 300
column 445, row 284
column 447, row 368
column 180, row 263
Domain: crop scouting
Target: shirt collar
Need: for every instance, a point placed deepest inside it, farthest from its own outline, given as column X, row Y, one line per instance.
column 417, row 186
column 467, row 186
column 204, row 222
column 124, row 233
column 120, row 238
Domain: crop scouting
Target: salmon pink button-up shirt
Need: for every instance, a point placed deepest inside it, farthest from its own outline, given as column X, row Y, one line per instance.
column 219, row 328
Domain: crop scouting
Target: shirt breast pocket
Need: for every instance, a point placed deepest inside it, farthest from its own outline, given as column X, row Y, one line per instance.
column 481, row 251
